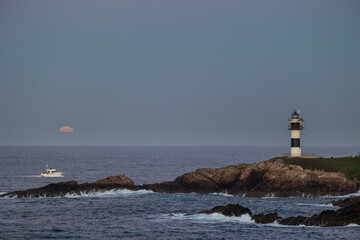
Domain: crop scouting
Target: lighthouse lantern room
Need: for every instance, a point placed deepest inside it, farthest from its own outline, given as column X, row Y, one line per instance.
column 295, row 127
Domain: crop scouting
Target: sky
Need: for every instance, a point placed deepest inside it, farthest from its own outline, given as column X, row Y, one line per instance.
column 186, row 73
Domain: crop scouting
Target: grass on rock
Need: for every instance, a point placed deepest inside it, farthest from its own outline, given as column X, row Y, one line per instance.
column 350, row 166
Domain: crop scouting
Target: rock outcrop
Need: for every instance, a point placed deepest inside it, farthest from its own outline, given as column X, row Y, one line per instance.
column 268, row 178
column 346, row 202
column 329, row 218
column 204, row 180
column 72, row 187
column 121, row 180
column 229, row 210
column 266, row 218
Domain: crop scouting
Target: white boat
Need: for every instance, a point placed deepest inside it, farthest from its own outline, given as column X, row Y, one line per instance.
column 51, row 172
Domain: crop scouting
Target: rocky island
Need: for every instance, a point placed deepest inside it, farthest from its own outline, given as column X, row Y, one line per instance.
column 280, row 177
column 73, row 187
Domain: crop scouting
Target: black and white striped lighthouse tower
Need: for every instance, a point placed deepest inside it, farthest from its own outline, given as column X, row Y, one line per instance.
column 295, row 127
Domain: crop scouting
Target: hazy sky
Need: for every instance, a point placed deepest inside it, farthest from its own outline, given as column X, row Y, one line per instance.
column 179, row 72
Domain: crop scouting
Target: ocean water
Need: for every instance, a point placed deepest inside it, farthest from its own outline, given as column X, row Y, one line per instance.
column 145, row 214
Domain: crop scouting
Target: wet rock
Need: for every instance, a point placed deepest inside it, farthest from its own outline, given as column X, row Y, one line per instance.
column 266, row 218
column 51, row 190
column 329, row 218
column 346, row 202
column 299, row 220
column 342, row 217
column 229, row 210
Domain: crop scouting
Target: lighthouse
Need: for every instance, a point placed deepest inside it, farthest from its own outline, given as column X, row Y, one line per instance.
column 295, row 127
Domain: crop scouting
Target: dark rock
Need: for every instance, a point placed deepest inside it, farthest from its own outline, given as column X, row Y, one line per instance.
column 346, row 202
column 266, row 218
column 51, row 190
column 229, row 210
column 329, row 218
column 72, row 187
column 293, row 220
column 342, row 217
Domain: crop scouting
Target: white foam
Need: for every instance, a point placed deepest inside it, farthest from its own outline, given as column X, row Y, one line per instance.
column 316, row 204
column 223, row 194
column 214, row 217
column 245, row 218
column 109, row 193
column 352, row 225
column 9, row 197
column 276, row 224
column 6, row 197
column 344, row 196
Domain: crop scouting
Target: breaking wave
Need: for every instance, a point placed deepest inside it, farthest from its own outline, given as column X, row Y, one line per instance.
column 109, row 193
column 316, row 204
column 344, row 196
column 245, row 218
column 352, row 225
column 214, row 217
column 223, row 194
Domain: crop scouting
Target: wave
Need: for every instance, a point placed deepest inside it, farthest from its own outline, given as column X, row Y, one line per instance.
column 276, row 224
column 352, row 225
column 356, row 194
column 214, row 217
column 344, row 196
column 316, row 204
column 101, row 194
column 1, row 193
column 109, row 193
column 223, row 194
column 245, row 218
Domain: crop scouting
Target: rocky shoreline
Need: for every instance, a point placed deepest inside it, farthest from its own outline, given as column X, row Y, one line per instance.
column 273, row 177
column 329, row 218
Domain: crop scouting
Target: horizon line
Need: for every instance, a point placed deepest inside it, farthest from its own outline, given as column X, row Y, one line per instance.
column 174, row 146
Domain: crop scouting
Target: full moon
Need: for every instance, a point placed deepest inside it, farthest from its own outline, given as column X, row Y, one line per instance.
column 66, row 129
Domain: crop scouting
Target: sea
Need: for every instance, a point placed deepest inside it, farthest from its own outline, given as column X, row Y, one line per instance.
column 125, row 214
